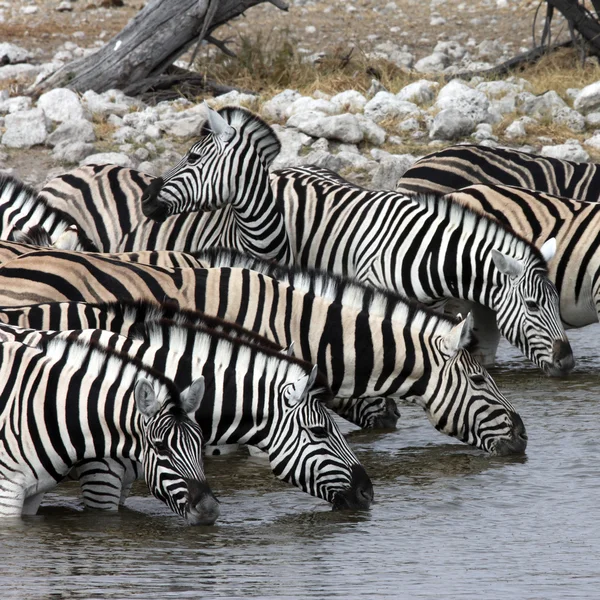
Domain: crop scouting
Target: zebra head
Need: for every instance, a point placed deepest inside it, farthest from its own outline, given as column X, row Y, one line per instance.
column 172, row 455
column 306, row 448
column 236, row 147
column 465, row 403
column 528, row 313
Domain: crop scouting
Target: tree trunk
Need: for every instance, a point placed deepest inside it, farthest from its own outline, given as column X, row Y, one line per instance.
column 581, row 20
column 149, row 43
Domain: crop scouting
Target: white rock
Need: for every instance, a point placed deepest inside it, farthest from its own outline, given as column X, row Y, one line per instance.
column 344, row 128
column 234, row 98
column 588, row 99
column 16, row 104
column 390, row 169
column 451, row 124
column 106, row 103
column 436, row 21
column 152, row 132
column 19, row 72
column 64, row 7
column 292, row 143
column 411, row 124
column 544, row 105
column 483, row 131
column 72, row 152
column 353, row 160
column 321, row 158
column 25, row 129
column 140, row 120
column 419, row 92
column 72, row 131
column 593, row 142
column 61, row 105
column 349, row 101
column 572, row 150
column 433, row 63
column 375, row 87
column 504, row 106
column 498, row 89
column 490, row 49
column 516, row 129
column 452, row 49
column 402, row 59
column 29, row 10
column 570, row 118
column 124, row 134
column 275, row 108
column 386, row 105
column 471, row 103
column 306, row 103
column 108, row 158
column 11, row 54
column 184, row 128
column 372, row 133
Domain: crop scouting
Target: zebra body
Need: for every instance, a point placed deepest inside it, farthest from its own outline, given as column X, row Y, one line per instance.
column 370, row 344
column 67, row 402
column 460, row 166
column 253, row 396
column 536, row 216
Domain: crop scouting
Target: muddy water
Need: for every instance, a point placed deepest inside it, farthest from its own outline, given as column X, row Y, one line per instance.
column 448, row 521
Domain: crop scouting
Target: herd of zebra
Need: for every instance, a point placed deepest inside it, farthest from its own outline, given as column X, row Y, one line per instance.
column 147, row 321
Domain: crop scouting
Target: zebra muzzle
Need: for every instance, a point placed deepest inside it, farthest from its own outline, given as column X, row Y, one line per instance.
column 359, row 495
column 152, row 207
column 562, row 358
column 203, row 507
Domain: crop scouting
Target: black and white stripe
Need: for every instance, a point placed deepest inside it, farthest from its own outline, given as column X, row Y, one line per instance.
column 64, row 402
column 457, row 167
column 253, row 396
column 372, row 346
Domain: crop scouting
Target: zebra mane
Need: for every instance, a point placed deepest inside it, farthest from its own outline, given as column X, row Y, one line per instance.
column 350, row 292
column 174, row 336
column 94, row 358
column 262, row 135
column 473, row 219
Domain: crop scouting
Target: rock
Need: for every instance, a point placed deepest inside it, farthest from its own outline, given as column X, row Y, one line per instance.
column 72, row 131
column 64, row 7
column 451, row 124
column 593, row 119
column 25, row 129
column 372, row 133
column 124, row 134
column 349, row 101
column 434, row 63
column 471, row 103
column 344, row 128
column 29, row 10
column 572, row 150
column 588, row 99
column 234, row 98
column 183, row 128
column 593, row 142
column 72, row 152
column 544, row 105
column 419, row 92
column 152, row 132
column 140, row 120
column 20, row 72
column 323, row 159
column 498, row 89
column 504, row 106
column 402, row 59
column 518, row 127
column 375, row 87
column 570, row 118
column 353, row 160
column 451, row 49
column 276, row 107
column 292, row 143
column 112, row 102
column 490, row 49
column 483, row 131
column 108, row 158
column 12, row 54
column 385, row 105
column 390, row 169
column 437, row 20
column 306, row 103
column 16, row 104
column 410, row 124
column 61, row 105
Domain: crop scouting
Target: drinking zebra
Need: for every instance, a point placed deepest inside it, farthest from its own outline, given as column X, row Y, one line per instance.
column 65, row 402
column 253, row 396
column 457, row 167
column 370, row 344
column 536, row 216
column 425, row 248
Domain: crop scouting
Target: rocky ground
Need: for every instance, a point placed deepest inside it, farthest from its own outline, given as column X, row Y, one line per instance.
column 369, row 135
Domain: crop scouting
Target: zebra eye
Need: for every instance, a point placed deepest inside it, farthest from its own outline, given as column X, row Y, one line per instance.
column 319, row 432
column 478, row 379
column 160, row 446
column 192, row 158
column 531, row 305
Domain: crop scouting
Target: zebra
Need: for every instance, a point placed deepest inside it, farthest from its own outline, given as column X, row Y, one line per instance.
column 536, row 216
column 253, row 396
column 104, row 200
column 65, row 402
column 370, row 344
column 22, row 209
column 460, row 166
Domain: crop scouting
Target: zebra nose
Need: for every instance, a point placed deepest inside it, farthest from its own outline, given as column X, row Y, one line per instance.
column 152, row 207
column 203, row 507
column 562, row 357
column 360, row 493
column 517, row 443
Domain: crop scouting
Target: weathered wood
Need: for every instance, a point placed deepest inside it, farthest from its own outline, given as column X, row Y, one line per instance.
column 149, row 44
column 581, row 19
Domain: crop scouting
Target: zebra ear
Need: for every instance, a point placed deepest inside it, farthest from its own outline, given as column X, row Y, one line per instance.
column 145, row 398
column 459, row 336
column 507, row 264
column 304, row 385
column 218, row 125
column 548, row 249
column 191, row 398
column 289, row 351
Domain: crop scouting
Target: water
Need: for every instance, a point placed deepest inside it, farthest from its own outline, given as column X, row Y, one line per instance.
column 448, row 520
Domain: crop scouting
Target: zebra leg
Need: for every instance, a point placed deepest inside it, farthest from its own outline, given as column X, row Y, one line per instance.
column 32, row 504
column 12, row 498
column 101, row 483
column 133, row 471
column 368, row 413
